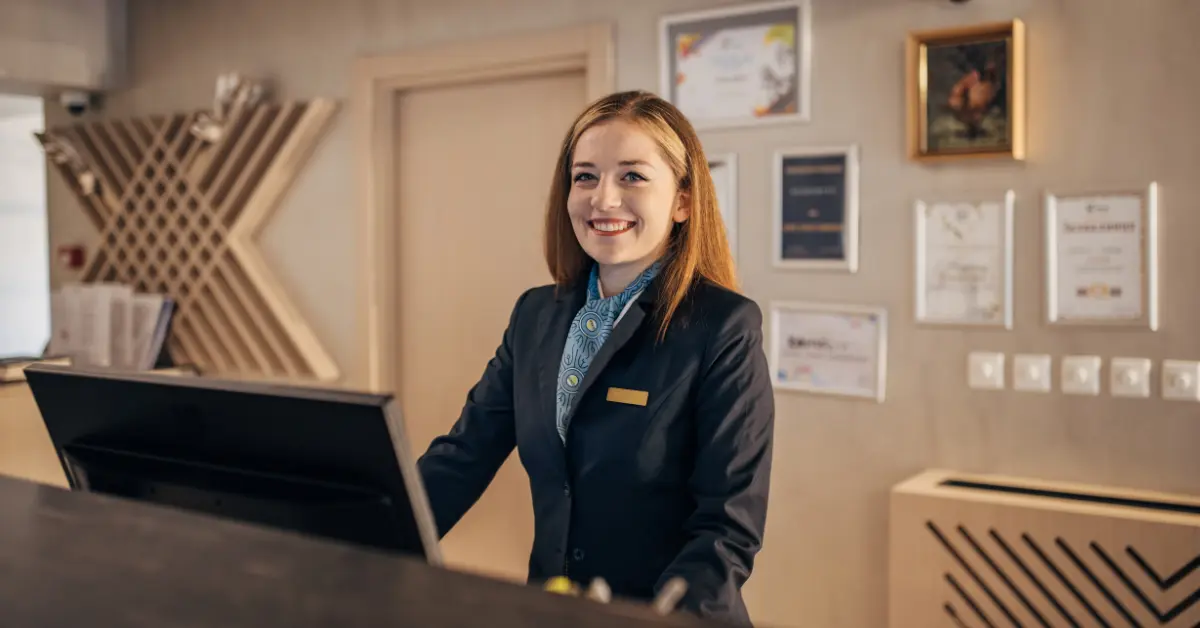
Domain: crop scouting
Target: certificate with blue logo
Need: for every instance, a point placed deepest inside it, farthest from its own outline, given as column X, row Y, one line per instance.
column 816, row 209
column 829, row 348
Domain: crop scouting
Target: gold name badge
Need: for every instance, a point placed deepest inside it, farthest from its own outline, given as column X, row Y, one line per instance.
column 631, row 397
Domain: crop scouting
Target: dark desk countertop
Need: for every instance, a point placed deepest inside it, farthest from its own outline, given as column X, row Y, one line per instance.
column 75, row 559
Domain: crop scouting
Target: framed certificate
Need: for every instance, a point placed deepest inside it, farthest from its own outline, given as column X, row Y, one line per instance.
column 738, row 66
column 964, row 262
column 816, row 209
column 829, row 349
column 723, row 168
column 1102, row 258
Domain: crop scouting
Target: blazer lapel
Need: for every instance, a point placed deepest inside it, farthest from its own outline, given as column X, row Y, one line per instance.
column 555, row 322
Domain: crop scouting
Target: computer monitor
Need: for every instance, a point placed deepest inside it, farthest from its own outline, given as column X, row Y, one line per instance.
column 327, row 463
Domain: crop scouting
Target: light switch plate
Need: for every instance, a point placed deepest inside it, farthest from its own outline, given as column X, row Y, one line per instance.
column 1031, row 373
column 1181, row 380
column 985, row 370
column 1081, row 374
column 1129, row 377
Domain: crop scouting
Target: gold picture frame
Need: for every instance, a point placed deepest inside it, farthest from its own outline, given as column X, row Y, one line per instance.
column 966, row 92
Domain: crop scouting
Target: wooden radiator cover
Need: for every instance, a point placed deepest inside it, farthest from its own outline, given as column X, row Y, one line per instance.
column 999, row 551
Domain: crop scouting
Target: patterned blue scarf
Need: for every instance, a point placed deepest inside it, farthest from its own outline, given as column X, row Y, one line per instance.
column 589, row 330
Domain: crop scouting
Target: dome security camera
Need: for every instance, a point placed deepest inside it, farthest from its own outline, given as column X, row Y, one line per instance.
column 75, row 102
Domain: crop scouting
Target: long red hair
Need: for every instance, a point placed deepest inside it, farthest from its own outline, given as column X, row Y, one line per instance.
column 697, row 248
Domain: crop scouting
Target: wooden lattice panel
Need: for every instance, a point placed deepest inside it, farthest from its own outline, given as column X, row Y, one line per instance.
column 178, row 215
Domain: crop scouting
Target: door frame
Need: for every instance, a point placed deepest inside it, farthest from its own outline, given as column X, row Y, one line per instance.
column 376, row 82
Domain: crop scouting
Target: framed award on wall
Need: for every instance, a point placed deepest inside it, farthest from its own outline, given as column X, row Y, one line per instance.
column 964, row 261
column 723, row 168
column 738, row 66
column 829, row 349
column 1102, row 258
column 815, row 225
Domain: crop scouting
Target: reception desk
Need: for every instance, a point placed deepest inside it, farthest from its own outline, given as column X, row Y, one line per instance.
column 71, row 558
column 25, row 448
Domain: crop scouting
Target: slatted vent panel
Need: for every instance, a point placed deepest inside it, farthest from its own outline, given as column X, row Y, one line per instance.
column 983, row 551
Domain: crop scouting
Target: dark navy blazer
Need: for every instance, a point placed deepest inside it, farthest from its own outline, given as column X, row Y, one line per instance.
column 639, row 493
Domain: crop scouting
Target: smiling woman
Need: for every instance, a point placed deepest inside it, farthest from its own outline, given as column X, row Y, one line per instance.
column 623, row 201
column 662, row 170
column 664, row 476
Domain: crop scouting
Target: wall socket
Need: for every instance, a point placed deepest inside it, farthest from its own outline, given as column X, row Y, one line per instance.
column 1181, row 380
column 1129, row 377
column 1081, row 374
column 1031, row 373
column 985, row 370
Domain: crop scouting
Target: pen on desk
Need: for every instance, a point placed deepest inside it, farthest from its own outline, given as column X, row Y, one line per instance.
column 668, row 598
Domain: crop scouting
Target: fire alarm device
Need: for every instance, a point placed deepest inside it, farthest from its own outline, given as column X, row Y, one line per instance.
column 71, row 256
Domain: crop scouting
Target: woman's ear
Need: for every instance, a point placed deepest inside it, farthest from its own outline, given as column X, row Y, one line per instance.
column 683, row 209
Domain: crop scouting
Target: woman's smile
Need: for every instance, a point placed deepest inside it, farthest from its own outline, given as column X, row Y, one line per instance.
column 608, row 227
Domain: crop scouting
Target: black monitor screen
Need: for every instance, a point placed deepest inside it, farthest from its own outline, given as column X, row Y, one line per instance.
column 327, row 463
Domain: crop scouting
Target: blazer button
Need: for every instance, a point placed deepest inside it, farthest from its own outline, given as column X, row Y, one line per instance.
column 577, row 554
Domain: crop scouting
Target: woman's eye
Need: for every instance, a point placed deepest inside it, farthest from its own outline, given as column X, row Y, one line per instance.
column 634, row 177
column 583, row 176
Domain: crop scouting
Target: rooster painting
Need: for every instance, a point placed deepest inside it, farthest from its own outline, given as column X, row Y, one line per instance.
column 967, row 101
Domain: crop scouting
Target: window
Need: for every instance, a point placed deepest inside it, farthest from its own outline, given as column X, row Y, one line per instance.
column 24, row 244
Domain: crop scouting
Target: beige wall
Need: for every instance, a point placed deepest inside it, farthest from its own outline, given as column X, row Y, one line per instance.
column 1113, row 87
